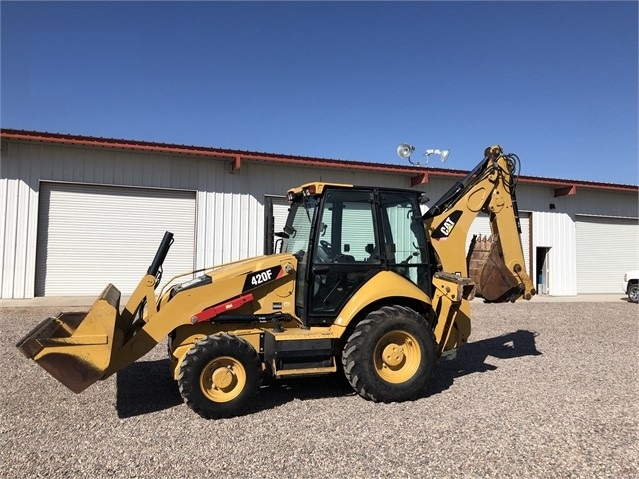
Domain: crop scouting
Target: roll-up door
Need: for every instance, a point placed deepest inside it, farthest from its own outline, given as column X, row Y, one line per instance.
column 481, row 226
column 606, row 249
column 92, row 235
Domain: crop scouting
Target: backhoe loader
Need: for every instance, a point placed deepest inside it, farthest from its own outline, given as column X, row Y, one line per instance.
column 363, row 283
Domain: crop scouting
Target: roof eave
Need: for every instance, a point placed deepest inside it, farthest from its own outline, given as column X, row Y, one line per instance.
column 417, row 176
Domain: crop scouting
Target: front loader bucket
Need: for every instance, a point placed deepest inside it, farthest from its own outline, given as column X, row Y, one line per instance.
column 486, row 267
column 76, row 348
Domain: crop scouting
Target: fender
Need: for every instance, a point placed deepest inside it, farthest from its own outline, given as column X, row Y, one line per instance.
column 385, row 284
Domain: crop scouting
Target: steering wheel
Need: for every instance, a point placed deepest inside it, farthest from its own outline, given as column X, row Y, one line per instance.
column 324, row 252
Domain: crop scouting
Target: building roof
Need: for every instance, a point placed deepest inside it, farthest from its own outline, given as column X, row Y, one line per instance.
column 418, row 175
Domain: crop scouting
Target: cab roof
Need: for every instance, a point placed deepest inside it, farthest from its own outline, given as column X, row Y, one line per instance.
column 317, row 188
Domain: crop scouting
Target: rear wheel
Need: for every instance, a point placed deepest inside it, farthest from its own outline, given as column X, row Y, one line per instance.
column 633, row 293
column 219, row 376
column 391, row 355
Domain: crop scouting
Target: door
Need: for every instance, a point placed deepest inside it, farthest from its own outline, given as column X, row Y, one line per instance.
column 543, row 270
column 606, row 249
column 345, row 252
column 275, row 214
column 93, row 235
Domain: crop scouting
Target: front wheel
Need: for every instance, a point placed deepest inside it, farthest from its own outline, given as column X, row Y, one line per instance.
column 391, row 355
column 219, row 376
column 633, row 293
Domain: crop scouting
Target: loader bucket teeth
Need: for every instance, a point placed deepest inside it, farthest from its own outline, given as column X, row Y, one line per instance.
column 486, row 267
column 76, row 348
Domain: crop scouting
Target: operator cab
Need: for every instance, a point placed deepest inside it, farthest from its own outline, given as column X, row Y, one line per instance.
column 344, row 235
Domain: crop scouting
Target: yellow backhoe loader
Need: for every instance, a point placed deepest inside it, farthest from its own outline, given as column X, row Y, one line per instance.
column 363, row 280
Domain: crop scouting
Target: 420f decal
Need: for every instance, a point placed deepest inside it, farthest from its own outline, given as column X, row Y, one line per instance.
column 258, row 278
column 445, row 228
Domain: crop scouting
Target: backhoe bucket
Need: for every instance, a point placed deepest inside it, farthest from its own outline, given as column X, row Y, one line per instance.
column 486, row 267
column 76, row 348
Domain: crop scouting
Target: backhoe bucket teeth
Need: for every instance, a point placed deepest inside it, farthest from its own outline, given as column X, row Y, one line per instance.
column 486, row 267
column 76, row 348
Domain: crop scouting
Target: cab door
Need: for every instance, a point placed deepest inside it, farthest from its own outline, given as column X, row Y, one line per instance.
column 406, row 247
column 345, row 253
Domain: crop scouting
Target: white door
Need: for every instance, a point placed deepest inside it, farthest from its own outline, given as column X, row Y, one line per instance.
column 543, row 270
column 606, row 249
column 92, row 235
column 280, row 213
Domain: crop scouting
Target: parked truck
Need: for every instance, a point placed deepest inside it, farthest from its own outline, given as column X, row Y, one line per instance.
column 630, row 285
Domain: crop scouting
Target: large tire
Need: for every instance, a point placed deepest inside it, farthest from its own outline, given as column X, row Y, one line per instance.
column 219, row 376
column 391, row 355
column 633, row 292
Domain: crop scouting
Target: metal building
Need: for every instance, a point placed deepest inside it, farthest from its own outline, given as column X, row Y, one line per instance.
column 79, row 212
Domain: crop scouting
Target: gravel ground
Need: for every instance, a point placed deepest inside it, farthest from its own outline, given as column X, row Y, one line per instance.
column 544, row 390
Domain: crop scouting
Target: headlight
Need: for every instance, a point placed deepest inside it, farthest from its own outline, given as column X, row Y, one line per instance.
column 194, row 283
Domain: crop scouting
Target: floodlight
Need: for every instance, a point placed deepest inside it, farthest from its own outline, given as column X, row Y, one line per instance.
column 443, row 154
column 404, row 151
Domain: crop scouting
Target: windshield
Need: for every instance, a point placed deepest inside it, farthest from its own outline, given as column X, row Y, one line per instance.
column 298, row 226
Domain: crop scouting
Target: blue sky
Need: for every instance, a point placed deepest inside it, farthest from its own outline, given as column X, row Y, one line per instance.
column 554, row 82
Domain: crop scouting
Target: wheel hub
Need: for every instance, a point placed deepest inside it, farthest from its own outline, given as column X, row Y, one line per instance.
column 393, row 355
column 222, row 378
column 397, row 356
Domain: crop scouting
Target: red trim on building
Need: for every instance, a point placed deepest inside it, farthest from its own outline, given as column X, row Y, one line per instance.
column 417, row 175
column 420, row 179
column 566, row 191
column 235, row 164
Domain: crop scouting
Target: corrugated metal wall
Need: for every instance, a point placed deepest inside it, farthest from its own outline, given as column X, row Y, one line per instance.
column 230, row 209
column 18, row 218
column 24, row 165
column 230, row 213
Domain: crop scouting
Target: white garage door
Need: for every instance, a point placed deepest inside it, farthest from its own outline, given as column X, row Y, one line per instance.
column 606, row 249
column 91, row 235
column 481, row 226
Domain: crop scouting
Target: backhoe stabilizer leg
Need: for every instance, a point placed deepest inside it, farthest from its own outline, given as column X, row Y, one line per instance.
column 450, row 291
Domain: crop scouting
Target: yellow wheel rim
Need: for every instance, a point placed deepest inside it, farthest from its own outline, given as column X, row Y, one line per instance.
column 223, row 379
column 397, row 357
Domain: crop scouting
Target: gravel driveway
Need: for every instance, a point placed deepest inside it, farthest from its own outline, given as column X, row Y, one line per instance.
column 543, row 390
